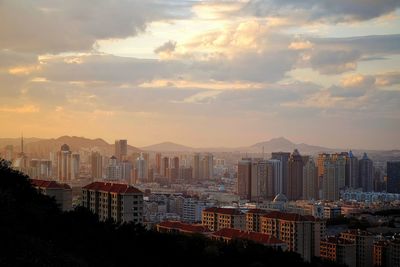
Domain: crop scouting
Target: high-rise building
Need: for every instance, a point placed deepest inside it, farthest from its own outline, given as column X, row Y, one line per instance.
column 164, row 166
column 284, row 158
column 262, row 180
column 126, row 168
column 121, row 149
column 352, row 180
column 295, row 181
column 393, row 176
column 119, row 202
column 196, row 166
column 366, row 172
column 64, row 164
column 158, row 163
column 113, row 170
column 277, row 176
column 141, row 169
column 334, row 175
column 310, row 180
column 75, row 165
column 244, row 178
column 208, row 166
column 96, row 161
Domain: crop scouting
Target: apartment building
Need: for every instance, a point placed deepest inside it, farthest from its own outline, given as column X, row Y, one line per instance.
column 119, row 202
column 364, row 246
column 62, row 193
column 219, row 218
column 302, row 234
column 338, row 250
column 253, row 220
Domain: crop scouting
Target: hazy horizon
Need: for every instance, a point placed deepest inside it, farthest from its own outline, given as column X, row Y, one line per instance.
column 203, row 73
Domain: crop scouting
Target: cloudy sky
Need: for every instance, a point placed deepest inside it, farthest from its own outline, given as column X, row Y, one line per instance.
column 202, row 73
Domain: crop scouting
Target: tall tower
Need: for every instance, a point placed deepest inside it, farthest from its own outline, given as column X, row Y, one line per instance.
column 141, row 167
column 310, row 180
column 366, row 172
column 244, row 178
column 208, row 166
column 158, row 163
column 352, row 179
column 64, row 164
column 277, row 176
column 284, row 158
column 295, row 182
column 393, row 176
column 196, row 167
column 75, row 165
column 121, row 149
column 96, row 161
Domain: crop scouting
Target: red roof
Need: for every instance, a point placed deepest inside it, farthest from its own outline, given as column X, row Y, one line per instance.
column 112, row 188
column 228, row 211
column 289, row 216
column 257, row 211
column 253, row 236
column 184, row 227
column 48, row 184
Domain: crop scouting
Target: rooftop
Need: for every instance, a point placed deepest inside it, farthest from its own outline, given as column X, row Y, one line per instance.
column 185, row 227
column 253, row 236
column 289, row 216
column 48, row 184
column 112, row 188
column 227, row 211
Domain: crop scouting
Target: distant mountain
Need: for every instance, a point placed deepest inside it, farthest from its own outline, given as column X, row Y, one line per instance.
column 42, row 147
column 168, row 147
column 16, row 142
column 283, row 144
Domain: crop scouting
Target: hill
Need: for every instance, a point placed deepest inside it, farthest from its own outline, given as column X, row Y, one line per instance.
column 41, row 148
column 168, row 147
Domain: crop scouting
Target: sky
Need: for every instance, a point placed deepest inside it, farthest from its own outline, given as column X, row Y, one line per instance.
column 202, row 73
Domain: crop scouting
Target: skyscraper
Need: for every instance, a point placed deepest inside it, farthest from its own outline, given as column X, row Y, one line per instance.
column 295, row 181
column 284, row 158
column 340, row 161
column 352, row 171
column 196, row 166
column 366, row 172
column 141, row 169
column 208, row 166
column 310, row 180
column 75, row 165
column 393, row 176
column 244, row 178
column 158, row 163
column 64, row 164
column 96, row 161
column 113, row 170
column 277, row 176
column 330, row 180
column 164, row 166
column 126, row 168
column 121, row 149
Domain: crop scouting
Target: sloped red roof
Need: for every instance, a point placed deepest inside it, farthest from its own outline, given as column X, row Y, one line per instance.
column 112, row 188
column 228, row 211
column 184, row 227
column 48, row 184
column 253, row 236
column 289, row 216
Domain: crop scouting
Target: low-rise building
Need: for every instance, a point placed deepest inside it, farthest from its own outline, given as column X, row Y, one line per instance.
column 182, row 228
column 119, row 202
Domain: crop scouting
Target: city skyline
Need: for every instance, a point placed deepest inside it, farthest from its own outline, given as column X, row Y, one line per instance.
column 203, row 73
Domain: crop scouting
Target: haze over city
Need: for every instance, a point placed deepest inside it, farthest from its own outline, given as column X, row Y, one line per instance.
column 202, row 73
column 200, row 133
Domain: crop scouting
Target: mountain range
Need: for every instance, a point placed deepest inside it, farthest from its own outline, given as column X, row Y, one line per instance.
column 40, row 148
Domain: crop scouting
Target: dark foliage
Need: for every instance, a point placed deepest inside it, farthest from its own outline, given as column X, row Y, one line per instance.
column 34, row 232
